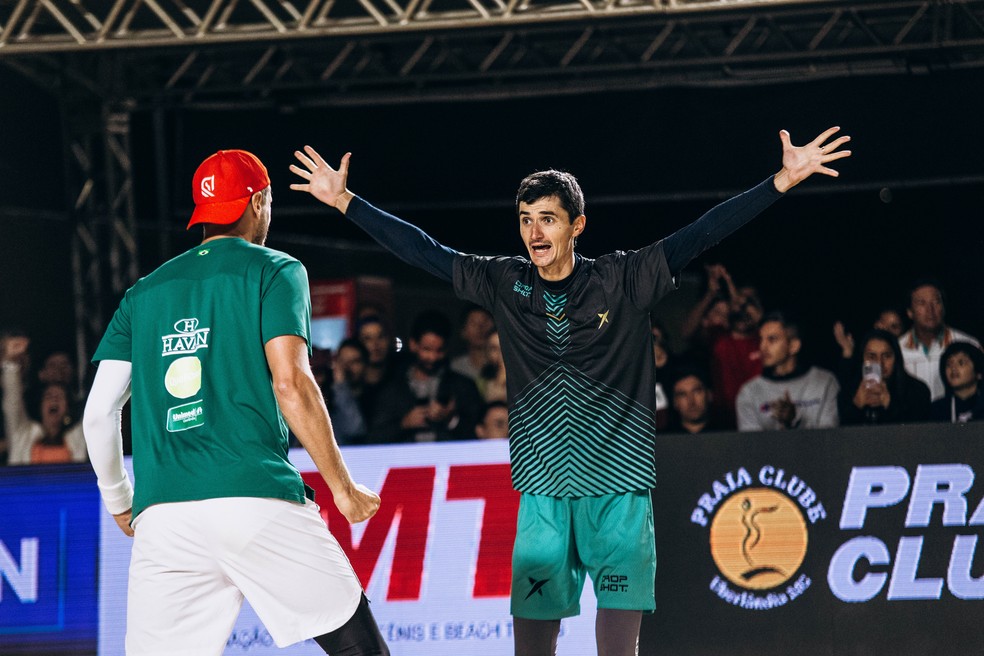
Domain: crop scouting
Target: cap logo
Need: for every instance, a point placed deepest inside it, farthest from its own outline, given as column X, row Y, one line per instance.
column 208, row 187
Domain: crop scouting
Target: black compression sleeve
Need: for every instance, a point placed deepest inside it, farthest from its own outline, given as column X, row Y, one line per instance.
column 690, row 241
column 406, row 241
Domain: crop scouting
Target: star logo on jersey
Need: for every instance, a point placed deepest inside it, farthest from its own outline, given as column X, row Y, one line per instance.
column 536, row 586
column 604, row 319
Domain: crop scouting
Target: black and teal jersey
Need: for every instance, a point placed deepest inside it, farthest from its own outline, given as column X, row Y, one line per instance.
column 581, row 378
column 578, row 353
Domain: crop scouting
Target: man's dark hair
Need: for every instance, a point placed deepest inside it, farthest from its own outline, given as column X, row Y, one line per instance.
column 788, row 323
column 561, row 184
column 686, row 370
column 491, row 405
column 925, row 282
column 352, row 342
column 431, row 321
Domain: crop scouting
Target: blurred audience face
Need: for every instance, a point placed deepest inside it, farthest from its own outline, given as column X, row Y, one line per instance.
column 960, row 373
column 351, row 363
column 429, row 351
column 926, row 309
column 373, row 336
column 57, row 369
column 778, row 350
column 478, row 325
column 716, row 315
column 321, row 365
column 690, row 400
column 877, row 350
column 891, row 321
column 495, row 424
column 54, row 408
column 749, row 313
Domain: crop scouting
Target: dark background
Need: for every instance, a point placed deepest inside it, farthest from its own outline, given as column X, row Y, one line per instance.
column 907, row 204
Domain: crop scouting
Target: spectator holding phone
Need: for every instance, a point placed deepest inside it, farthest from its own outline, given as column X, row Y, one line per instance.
column 883, row 392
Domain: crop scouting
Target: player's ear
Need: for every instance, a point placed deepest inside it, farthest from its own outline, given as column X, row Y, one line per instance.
column 579, row 224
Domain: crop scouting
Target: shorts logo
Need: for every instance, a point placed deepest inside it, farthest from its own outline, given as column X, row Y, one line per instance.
column 186, row 339
column 759, row 536
column 208, row 187
column 536, row 587
column 614, row 583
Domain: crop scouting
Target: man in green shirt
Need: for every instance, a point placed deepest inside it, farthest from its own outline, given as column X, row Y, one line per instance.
column 214, row 348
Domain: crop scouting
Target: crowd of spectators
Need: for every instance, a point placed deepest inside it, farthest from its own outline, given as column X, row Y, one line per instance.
column 741, row 368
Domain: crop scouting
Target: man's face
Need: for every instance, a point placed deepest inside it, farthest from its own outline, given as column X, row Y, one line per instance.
column 690, row 400
column 548, row 232
column 350, row 361
column 926, row 309
column 493, row 349
column 478, row 325
column 878, row 351
column 374, row 338
column 960, row 372
column 429, row 350
column 776, row 347
column 716, row 315
column 495, row 425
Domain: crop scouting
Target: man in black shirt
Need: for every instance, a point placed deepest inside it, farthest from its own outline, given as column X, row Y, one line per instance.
column 577, row 346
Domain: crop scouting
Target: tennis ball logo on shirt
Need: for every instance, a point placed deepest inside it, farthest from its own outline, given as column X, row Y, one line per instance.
column 184, row 377
column 758, row 536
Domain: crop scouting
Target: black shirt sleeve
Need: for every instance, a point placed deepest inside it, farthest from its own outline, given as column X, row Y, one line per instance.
column 690, row 241
column 406, row 241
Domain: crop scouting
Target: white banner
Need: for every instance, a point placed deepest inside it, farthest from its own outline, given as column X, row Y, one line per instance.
column 434, row 560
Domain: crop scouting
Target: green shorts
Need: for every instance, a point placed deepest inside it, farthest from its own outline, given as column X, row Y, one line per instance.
column 559, row 540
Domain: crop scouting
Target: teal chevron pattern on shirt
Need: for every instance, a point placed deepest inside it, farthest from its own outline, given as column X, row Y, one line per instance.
column 571, row 436
column 558, row 327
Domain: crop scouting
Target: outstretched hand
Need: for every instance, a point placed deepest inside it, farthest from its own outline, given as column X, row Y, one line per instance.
column 800, row 162
column 323, row 182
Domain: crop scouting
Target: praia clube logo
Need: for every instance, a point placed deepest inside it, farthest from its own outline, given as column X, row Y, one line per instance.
column 758, row 534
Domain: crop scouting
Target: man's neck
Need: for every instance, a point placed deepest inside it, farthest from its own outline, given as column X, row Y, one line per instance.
column 694, row 426
column 927, row 336
column 785, row 368
column 557, row 270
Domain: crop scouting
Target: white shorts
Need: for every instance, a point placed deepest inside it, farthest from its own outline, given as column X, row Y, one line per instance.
column 193, row 562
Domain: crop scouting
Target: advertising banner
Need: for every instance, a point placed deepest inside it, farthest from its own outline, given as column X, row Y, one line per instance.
column 48, row 543
column 851, row 542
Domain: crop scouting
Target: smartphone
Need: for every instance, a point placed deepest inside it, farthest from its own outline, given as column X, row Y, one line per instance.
column 871, row 373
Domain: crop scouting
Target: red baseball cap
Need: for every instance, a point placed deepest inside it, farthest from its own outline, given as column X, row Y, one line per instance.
column 223, row 185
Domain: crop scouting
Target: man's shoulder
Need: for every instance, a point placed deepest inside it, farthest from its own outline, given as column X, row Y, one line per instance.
column 961, row 336
column 753, row 386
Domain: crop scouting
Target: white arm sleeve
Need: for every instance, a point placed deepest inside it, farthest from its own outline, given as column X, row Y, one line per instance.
column 102, row 426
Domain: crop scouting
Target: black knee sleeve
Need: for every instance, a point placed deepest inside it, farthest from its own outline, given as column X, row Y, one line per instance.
column 358, row 637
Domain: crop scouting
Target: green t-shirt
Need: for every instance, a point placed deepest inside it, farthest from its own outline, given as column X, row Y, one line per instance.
column 204, row 417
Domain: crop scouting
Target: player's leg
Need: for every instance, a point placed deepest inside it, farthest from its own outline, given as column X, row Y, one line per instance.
column 300, row 583
column 178, row 600
column 617, row 632
column 535, row 637
column 547, row 576
column 359, row 636
column 616, row 541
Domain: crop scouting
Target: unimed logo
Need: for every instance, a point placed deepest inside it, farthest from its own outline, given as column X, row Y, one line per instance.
column 20, row 573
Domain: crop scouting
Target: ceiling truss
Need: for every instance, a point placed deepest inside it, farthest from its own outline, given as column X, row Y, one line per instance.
column 324, row 52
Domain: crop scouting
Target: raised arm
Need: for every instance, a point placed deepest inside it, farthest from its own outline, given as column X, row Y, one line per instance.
column 406, row 241
column 798, row 164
